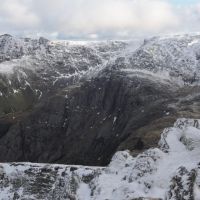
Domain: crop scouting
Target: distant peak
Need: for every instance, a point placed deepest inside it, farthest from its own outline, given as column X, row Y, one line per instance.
column 6, row 35
column 43, row 40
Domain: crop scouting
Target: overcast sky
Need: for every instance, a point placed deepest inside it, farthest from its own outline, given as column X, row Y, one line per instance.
column 98, row 19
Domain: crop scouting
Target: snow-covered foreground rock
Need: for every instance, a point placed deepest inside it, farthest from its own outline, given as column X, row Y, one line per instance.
column 168, row 172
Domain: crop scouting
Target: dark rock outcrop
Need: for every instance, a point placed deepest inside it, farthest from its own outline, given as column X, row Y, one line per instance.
column 87, row 125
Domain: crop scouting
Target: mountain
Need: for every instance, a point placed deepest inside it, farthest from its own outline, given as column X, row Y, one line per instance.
column 170, row 171
column 81, row 103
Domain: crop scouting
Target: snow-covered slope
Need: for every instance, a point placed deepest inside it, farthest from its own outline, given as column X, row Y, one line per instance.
column 168, row 172
column 40, row 66
column 176, row 59
column 44, row 64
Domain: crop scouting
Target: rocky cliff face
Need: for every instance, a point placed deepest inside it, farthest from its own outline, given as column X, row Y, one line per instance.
column 169, row 172
column 79, row 103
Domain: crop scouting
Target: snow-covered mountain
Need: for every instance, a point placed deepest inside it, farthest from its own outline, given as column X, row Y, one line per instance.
column 39, row 66
column 54, row 62
column 174, row 57
column 101, row 104
column 170, row 172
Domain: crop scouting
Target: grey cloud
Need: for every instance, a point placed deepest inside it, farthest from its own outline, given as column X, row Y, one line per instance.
column 95, row 19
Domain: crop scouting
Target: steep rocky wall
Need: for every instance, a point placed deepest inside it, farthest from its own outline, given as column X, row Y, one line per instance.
column 87, row 123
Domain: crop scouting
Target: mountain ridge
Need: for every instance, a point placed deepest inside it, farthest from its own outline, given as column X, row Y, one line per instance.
column 96, row 96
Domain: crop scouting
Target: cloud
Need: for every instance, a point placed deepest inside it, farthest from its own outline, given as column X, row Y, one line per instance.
column 16, row 14
column 96, row 19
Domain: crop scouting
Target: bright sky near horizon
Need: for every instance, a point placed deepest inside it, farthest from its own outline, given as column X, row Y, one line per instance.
column 98, row 19
column 184, row 2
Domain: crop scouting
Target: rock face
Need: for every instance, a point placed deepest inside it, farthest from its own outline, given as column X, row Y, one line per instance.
column 170, row 172
column 79, row 103
column 94, row 117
